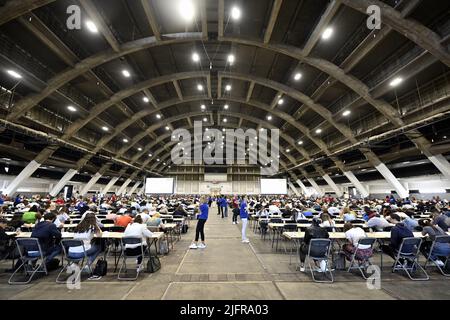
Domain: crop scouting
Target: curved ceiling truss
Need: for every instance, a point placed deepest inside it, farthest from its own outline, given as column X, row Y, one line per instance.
column 417, row 33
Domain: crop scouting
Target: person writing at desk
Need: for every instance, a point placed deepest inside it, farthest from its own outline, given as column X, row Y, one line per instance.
column 49, row 236
column 315, row 231
column 138, row 230
column 86, row 230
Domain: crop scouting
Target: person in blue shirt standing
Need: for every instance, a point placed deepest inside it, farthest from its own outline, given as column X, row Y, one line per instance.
column 244, row 218
column 224, row 205
column 199, row 231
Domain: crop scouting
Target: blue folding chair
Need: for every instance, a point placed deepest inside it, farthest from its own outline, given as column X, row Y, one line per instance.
column 32, row 260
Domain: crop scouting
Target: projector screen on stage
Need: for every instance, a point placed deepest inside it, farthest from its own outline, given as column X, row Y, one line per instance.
column 273, row 186
column 159, row 186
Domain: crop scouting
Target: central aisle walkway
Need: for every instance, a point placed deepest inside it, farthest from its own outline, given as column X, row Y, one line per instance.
column 232, row 264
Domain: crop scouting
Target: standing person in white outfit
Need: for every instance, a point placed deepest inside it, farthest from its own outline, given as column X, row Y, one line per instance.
column 244, row 218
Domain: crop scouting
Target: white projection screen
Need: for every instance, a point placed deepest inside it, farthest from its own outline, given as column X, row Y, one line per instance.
column 273, row 186
column 159, row 186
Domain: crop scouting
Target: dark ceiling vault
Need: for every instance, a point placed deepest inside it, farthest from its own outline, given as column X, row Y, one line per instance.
column 272, row 42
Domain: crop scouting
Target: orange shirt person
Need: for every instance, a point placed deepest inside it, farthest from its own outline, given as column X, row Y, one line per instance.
column 123, row 220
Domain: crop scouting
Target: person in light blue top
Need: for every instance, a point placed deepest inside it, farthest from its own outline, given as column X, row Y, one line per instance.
column 244, row 218
column 199, row 231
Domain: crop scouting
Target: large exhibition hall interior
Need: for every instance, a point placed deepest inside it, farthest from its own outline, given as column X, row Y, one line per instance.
column 224, row 149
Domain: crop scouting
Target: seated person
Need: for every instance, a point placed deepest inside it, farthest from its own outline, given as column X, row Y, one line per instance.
column 297, row 213
column 180, row 211
column 145, row 215
column 274, row 210
column 123, row 220
column 111, row 216
column 439, row 249
column 61, row 218
column 155, row 221
column 347, row 215
column 29, row 217
column 440, row 220
column 5, row 245
column 353, row 235
column 378, row 223
column 312, row 232
column 411, row 223
column 16, row 221
column 85, row 231
column 333, row 211
column 137, row 229
column 398, row 233
column 49, row 236
column 327, row 221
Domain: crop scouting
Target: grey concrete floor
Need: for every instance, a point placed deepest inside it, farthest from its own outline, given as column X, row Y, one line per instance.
column 229, row 269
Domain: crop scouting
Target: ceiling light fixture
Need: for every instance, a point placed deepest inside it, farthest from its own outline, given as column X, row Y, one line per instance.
column 186, row 10
column 126, row 73
column 318, row 131
column 235, row 13
column 346, row 113
column 228, row 87
column 71, row 108
column 225, row 120
column 231, row 59
column 104, row 128
column 195, row 57
column 297, row 76
column 280, row 102
column 300, row 142
column 200, row 87
column 327, row 33
column 158, row 116
column 396, row 81
column 14, row 74
column 167, row 128
column 91, row 26
column 203, row 107
column 125, row 140
column 269, row 118
column 226, row 107
column 146, row 100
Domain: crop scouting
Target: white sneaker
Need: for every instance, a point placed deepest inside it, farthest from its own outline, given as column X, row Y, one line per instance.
column 439, row 263
column 140, row 268
column 193, row 246
column 246, row 241
column 201, row 246
column 302, row 269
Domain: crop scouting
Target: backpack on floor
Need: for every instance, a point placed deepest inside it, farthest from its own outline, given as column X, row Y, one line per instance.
column 163, row 247
column 338, row 261
column 101, row 268
column 52, row 264
column 153, row 264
